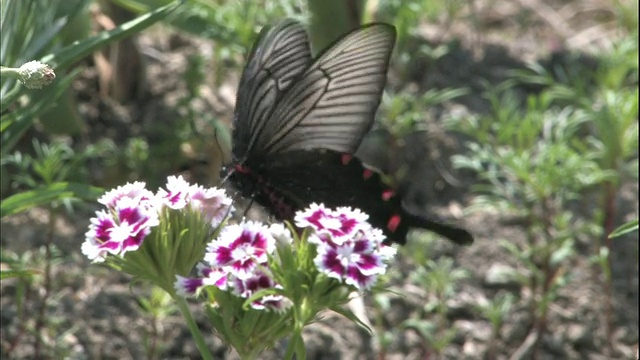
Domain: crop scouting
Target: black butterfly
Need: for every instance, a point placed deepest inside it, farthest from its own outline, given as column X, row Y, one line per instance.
column 298, row 120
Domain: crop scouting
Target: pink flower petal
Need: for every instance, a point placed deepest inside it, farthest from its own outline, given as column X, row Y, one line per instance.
column 240, row 248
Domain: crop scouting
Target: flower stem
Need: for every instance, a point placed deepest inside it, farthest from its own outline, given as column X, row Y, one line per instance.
column 193, row 328
column 7, row 71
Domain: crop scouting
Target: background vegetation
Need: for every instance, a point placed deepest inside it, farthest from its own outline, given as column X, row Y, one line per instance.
column 518, row 119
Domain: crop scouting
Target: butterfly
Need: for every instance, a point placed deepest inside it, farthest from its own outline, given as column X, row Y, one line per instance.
column 299, row 120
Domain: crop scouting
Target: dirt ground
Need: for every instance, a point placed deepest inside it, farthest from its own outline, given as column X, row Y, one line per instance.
column 96, row 309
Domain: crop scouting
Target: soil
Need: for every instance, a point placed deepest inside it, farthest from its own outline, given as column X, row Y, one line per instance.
column 93, row 311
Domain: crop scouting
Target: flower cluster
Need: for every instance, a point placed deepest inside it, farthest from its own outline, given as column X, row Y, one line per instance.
column 348, row 248
column 132, row 211
column 238, row 259
column 296, row 275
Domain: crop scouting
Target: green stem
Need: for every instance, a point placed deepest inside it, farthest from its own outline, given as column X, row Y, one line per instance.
column 12, row 94
column 331, row 19
column 8, row 71
column 193, row 328
column 296, row 345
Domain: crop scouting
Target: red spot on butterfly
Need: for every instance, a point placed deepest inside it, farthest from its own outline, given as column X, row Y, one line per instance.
column 387, row 194
column 394, row 222
column 242, row 169
column 346, row 158
column 366, row 174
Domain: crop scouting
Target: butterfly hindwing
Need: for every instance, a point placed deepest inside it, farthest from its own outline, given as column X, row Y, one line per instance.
column 337, row 179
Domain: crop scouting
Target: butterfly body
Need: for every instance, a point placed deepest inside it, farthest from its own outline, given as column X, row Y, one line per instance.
column 309, row 176
column 298, row 120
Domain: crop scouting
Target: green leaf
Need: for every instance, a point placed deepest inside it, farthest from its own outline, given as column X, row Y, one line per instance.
column 624, row 229
column 351, row 316
column 6, row 274
column 57, row 191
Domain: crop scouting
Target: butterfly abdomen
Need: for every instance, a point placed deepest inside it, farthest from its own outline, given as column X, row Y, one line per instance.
column 259, row 189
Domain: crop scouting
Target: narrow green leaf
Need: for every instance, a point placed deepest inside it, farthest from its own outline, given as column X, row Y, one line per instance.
column 351, row 316
column 58, row 191
column 6, row 274
column 625, row 229
column 68, row 55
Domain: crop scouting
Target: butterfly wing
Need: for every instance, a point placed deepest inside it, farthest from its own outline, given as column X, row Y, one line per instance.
column 333, row 103
column 279, row 56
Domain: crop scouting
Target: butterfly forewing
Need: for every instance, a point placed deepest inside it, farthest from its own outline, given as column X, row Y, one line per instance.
column 280, row 55
column 333, row 103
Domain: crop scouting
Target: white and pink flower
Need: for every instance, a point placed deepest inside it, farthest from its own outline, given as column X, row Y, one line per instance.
column 132, row 211
column 207, row 275
column 341, row 223
column 241, row 248
column 348, row 248
column 259, row 280
column 120, row 230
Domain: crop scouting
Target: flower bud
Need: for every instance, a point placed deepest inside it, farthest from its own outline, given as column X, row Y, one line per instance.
column 35, row 75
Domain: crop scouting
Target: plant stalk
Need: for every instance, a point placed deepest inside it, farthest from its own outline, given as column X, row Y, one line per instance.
column 193, row 327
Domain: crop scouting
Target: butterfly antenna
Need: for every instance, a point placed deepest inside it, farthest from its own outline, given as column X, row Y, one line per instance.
column 246, row 211
column 227, row 176
column 253, row 197
column 230, row 209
